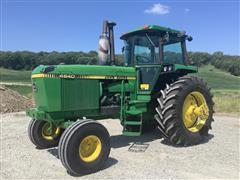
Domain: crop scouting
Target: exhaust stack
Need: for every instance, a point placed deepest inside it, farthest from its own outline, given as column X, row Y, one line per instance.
column 106, row 44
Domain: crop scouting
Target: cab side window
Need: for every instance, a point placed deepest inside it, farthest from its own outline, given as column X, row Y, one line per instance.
column 172, row 53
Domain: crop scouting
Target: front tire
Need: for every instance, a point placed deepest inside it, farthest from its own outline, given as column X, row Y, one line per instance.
column 185, row 111
column 39, row 135
column 84, row 147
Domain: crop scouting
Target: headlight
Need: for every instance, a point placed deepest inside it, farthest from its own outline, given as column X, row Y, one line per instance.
column 34, row 87
column 167, row 68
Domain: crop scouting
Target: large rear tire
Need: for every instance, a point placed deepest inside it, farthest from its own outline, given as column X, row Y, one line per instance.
column 185, row 111
column 84, row 147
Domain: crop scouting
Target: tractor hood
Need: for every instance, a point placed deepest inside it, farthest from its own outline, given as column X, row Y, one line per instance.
column 84, row 72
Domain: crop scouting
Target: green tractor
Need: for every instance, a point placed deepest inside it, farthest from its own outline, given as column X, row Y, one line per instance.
column 150, row 90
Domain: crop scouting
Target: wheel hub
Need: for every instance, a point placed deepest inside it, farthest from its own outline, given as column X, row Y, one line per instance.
column 195, row 111
column 48, row 132
column 90, row 148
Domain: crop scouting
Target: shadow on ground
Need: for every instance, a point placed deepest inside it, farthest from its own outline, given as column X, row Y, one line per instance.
column 110, row 161
column 205, row 140
column 119, row 141
column 54, row 152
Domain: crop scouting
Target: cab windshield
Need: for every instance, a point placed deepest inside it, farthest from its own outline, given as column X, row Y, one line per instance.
column 141, row 49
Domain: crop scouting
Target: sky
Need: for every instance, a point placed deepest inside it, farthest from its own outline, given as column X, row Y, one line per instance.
column 71, row 25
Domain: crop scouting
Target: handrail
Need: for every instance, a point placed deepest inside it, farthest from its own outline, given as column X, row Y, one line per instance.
column 122, row 112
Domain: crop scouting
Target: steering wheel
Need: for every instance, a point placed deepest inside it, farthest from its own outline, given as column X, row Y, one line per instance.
column 142, row 59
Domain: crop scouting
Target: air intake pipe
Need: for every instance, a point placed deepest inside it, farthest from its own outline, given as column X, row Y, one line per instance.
column 106, row 44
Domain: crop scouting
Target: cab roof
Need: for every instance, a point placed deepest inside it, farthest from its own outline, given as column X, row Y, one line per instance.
column 149, row 28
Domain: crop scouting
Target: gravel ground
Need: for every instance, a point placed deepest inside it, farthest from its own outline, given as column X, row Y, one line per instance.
column 217, row 158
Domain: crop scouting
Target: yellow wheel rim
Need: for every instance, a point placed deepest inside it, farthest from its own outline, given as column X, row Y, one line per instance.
column 90, row 148
column 195, row 111
column 49, row 134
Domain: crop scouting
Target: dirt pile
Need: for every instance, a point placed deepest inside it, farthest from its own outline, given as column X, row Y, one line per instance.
column 12, row 101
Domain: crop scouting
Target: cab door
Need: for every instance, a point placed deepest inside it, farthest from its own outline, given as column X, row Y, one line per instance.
column 147, row 76
column 148, row 66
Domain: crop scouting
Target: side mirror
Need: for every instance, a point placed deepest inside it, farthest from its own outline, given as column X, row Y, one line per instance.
column 189, row 38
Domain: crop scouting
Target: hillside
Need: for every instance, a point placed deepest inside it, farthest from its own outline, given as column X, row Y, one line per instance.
column 26, row 60
column 218, row 79
column 225, row 87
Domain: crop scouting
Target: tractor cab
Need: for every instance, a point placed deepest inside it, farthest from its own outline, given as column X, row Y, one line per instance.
column 151, row 48
column 152, row 45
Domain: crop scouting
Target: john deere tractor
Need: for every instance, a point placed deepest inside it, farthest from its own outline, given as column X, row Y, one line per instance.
column 151, row 89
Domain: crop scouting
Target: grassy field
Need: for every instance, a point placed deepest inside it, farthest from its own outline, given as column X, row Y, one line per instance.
column 12, row 76
column 7, row 75
column 24, row 90
column 219, row 80
column 227, row 101
column 225, row 87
